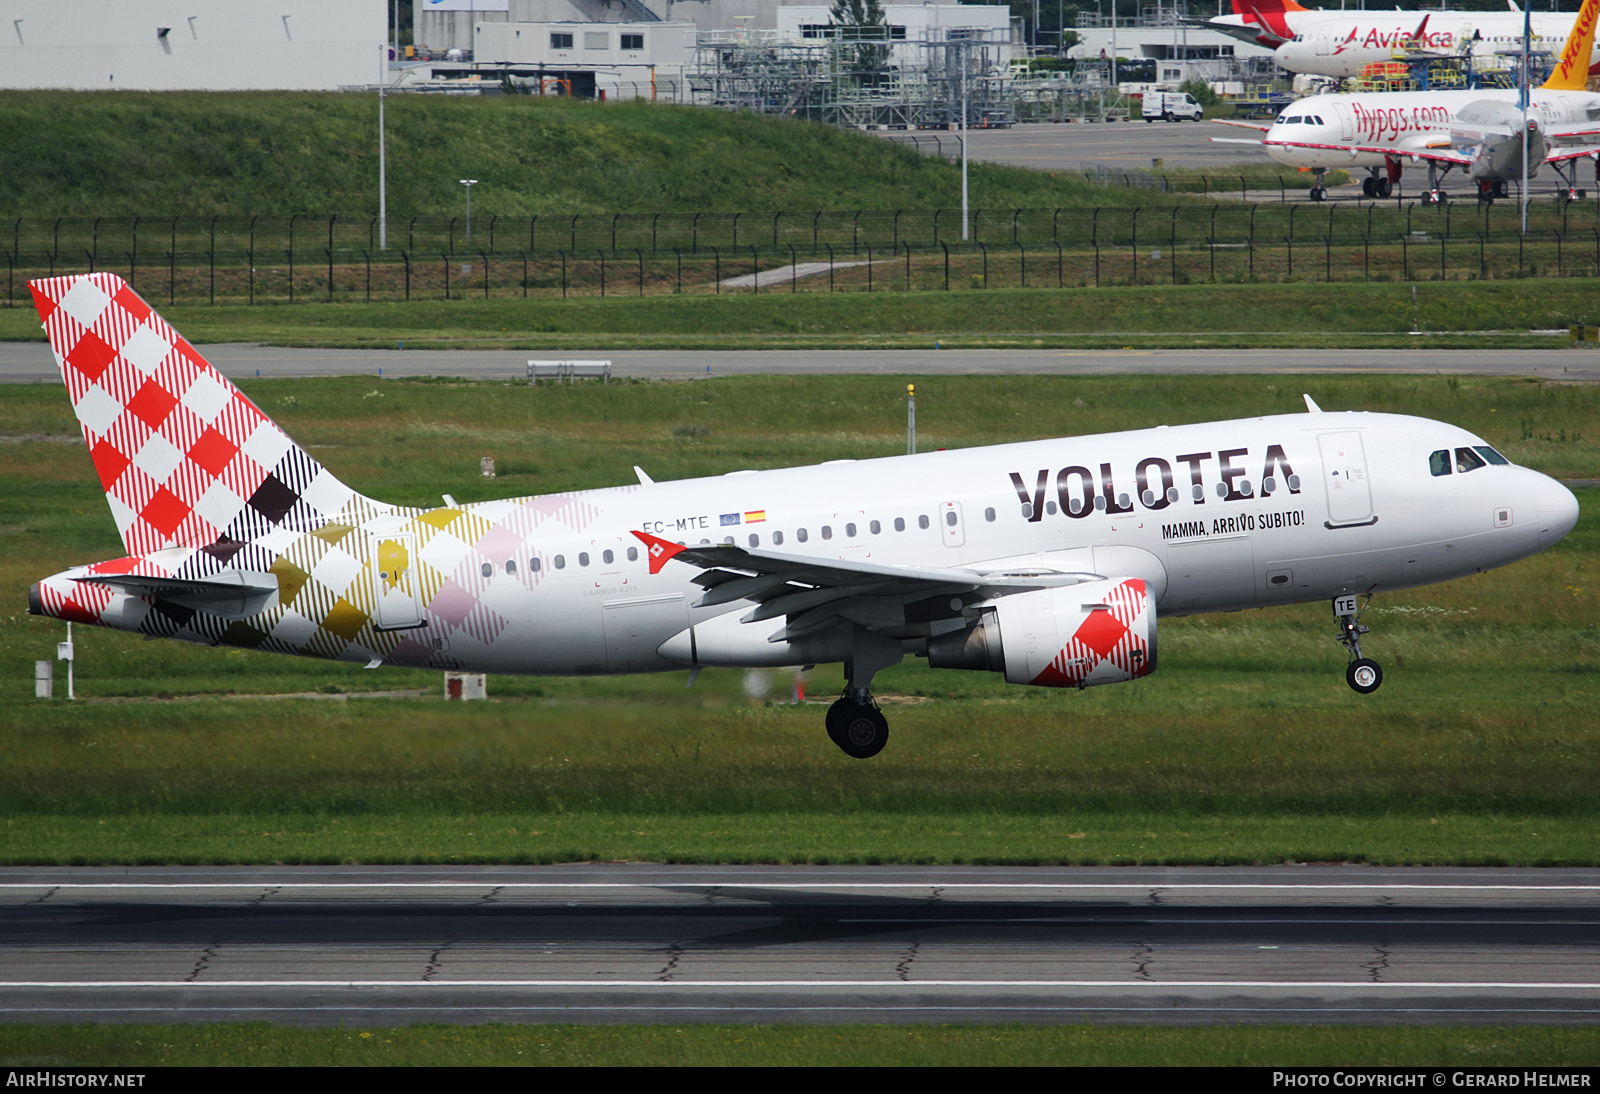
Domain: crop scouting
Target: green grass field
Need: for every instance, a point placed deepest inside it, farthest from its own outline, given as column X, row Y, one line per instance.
column 261, row 1045
column 1479, row 315
column 1245, row 747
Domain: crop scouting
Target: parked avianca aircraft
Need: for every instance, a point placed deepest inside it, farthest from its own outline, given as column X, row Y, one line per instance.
column 1048, row 561
column 1481, row 132
column 1339, row 43
column 1345, row 43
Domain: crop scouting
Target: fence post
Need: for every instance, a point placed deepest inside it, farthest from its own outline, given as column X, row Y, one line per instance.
column 1134, row 243
column 602, row 255
column 1172, row 245
column 1057, row 242
column 1289, row 241
column 330, row 274
column 984, row 250
column 679, row 256
column 524, row 256
column 563, row 255
column 485, row 256
column 869, row 267
column 406, row 258
column 1022, row 266
column 716, row 259
column 830, row 265
column 794, row 271
column 755, row 271
column 1212, row 241
column 446, row 260
column 367, row 257
column 640, row 253
column 736, row 217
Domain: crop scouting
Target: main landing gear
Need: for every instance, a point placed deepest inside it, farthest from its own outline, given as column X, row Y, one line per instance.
column 1363, row 675
column 855, row 723
column 858, row 727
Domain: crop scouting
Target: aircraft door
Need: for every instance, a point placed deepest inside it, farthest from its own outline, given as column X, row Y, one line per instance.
column 398, row 598
column 1344, row 475
column 1347, row 122
column 951, row 527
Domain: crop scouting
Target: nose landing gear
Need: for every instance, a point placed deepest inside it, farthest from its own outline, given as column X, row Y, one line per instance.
column 1363, row 675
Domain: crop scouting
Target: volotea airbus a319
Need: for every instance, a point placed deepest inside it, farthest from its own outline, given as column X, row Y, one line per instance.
column 1482, row 132
column 1048, row 561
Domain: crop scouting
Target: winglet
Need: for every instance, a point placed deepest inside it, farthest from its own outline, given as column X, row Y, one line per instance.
column 1311, row 405
column 1572, row 71
column 661, row 551
column 644, row 480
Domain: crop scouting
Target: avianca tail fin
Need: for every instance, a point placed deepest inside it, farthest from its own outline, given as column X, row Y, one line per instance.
column 1266, row 7
column 1572, row 71
column 185, row 458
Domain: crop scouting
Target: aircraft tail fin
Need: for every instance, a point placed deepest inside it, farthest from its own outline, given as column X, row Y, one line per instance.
column 1572, row 70
column 186, row 460
column 1251, row 7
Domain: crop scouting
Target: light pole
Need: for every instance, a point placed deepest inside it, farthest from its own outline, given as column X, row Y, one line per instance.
column 469, row 184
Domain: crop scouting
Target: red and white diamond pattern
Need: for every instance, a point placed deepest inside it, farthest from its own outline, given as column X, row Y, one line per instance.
column 178, row 449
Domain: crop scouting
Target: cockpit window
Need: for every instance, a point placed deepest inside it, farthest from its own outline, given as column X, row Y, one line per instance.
column 1439, row 462
column 1490, row 454
column 1468, row 460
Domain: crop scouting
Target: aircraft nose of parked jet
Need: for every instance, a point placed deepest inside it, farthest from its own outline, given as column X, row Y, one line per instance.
column 1558, row 511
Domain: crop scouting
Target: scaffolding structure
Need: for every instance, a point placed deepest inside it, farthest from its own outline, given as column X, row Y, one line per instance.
column 858, row 77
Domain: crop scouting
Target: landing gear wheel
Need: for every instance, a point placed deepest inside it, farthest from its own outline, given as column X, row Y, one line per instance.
column 859, row 729
column 1318, row 193
column 1364, row 676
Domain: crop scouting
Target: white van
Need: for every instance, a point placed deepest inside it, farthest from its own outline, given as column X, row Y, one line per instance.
column 1172, row 105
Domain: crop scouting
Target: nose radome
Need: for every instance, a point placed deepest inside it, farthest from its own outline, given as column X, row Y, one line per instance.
column 1558, row 511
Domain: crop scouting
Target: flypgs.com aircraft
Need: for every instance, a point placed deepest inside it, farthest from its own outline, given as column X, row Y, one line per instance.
column 1480, row 132
column 1047, row 561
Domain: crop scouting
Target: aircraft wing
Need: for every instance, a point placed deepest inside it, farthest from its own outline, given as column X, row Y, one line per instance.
column 1584, row 132
column 1258, row 126
column 1564, row 154
column 1439, row 153
column 815, row 594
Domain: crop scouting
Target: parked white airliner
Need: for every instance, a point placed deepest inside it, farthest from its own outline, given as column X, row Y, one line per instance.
column 1337, row 42
column 1344, row 44
column 1048, row 561
column 1482, row 132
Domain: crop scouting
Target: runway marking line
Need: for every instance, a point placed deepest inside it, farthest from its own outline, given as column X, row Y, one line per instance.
column 1141, row 984
column 817, row 885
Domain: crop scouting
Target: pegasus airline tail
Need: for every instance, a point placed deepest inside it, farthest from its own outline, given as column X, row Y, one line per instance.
column 1047, row 561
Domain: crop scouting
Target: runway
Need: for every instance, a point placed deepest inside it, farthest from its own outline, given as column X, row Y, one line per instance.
column 27, row 362
column 660, row 944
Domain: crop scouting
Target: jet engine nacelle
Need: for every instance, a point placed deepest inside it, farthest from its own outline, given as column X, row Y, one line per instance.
column 1095, row 632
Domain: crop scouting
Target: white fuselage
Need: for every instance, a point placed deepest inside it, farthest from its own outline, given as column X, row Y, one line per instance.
column 1360, row 512
column 1341, row 45
column 1363, row 130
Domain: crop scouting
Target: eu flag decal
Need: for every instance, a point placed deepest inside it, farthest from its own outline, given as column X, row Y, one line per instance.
column 729, row 518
